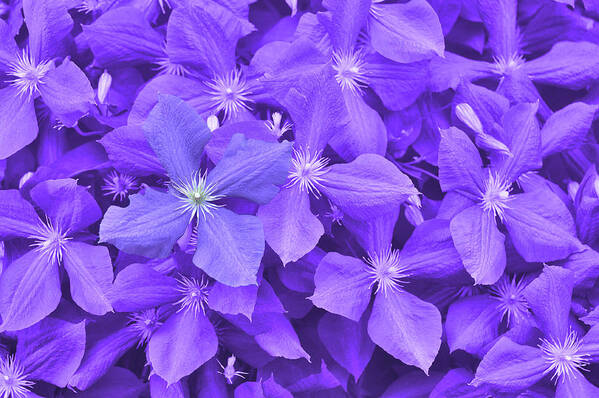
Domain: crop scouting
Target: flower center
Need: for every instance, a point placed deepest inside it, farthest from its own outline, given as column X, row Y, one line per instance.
column 229, row 93
column 145, row 323
column 194, row 294
column 166, row 67
column 119, row 185
column 13, row 383
column 512, row 304
column 197, row 195
column 27, row 74
column 349, row 68
column 386, row 271
column 229, row 371
column 563, row 358
column 50, row 240
column 307, row 170
column 496, row 195
column 507, row 65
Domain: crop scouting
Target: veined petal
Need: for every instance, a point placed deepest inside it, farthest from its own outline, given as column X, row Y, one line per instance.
column 184, row 343
column 230, row 247
column 139, row 287
column 17, row 216
column 472, row 323
column 51, row 350
column 480, row 244
column 48, row 23
column 567, row 128
column 449, row 71
column 90, row 273
column 342, row 286
column 367, row 187
column 177, row 134
column 149, row 226
column 510, row 365
column 460, row 166
column 576, row 386
column 69, row 206
column 348, row 18
column 251, row 169
column 406, row 327
column 67, row 92
column 17, row 116
column 29, row 291
column 499, row 17
column 290, row 228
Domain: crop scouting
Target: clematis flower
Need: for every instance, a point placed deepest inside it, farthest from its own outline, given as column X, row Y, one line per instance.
column 48, row 351
column 364, row 188
column 230, row 246
column 561, row 354
column 30, row 72
column 30, row 286
column 538, row 222
column 400, row 322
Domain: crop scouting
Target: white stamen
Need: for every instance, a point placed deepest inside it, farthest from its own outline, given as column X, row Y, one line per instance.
column 13, row 383
column 507, row 65
column 194, row 295
column 563, row 358
column 386, row 271
column 512, row 304
column 350, row 73
column 307, row 170
column 229, row 93
column 119, row 185
column 275, row 126
column 145, row 323
column 50, row 240
column 229, row 371
column 496, row 195
column 28, row 74
column 197, row 195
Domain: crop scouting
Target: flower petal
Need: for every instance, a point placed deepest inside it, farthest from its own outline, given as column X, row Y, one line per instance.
column 499, row 17
column 17, row 216
column 18, row 121
column 180, row 346
column 149, row 226
column 48, row 23
column 177, row 134
column 567, row 128
column 90, row 273
column 472, row 323
column 480, row 244
column 406, row 327
column 460, row 166
column 230, row 247
column 342, row 286
column 29, row 291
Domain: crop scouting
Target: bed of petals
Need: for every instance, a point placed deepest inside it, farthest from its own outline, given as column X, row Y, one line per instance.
column 299, row 198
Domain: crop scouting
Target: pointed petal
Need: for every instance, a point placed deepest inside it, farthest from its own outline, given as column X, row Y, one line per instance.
column 540, row 227
column 149, row 226
column 406, row 32
column 280, row 339
column 130, row 152
column 573, row 65
column 132, row 39
column 221, row 137
column 524, row 142
column 67, row 92
column 90, row 273
column 29, row 291
column 251, row 169
column 347, row 342
column 576, row 386
column 318, row 110
column 365, row 132
column 48, row 23
column 290, row 228
column 480, row 244
column 510, row 365
column 180, row 346
column 449, row 71
column 348, row 18
column 18, row 121
column 233, row 300
column 460, row 166
column 549, row 297
column 429, row 252
column 367, row 187
column 499, row 17
column 139, row 287
column 342, row 286
column 376, row 234
column 177, row 134
column 567, row 128
column 584, row 265
column 230, row 247
column 406, row 327
column 51, row 350
column 67, row 204
column 17, row 216
column 472, row 323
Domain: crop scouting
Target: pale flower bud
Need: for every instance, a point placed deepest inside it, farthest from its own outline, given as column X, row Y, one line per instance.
column 573, row 187
column 25, row 178
column 212, row 122
column 104, row 86
column 466, row 114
